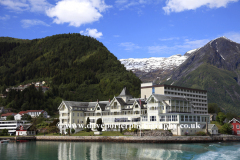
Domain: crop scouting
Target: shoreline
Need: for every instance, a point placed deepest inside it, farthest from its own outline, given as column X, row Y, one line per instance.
column 131, row 139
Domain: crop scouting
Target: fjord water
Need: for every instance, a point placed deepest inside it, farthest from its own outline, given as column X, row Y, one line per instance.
column 117, row 151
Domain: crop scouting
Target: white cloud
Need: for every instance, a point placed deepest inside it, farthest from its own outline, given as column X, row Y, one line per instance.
column 92, row 32
column 23, row 5
column 129, row 46
column 4, row 17
column 178, row 49
column 39, row 5
column 182, row 5
column 234, row 36
column 123, row 4
column 77, row 12
column 32, row 22
column 16, row 5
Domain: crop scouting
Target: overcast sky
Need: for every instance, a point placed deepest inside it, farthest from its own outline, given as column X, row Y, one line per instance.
column 128, row 28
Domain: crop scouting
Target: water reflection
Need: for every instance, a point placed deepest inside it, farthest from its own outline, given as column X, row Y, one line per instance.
column 102, row 151
column 116, row 151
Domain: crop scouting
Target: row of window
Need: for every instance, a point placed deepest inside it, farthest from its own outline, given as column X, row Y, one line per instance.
column 237, row 126
column 185, row 90
column 168, row 118
column 77, row 121
column 193, row 119
column 81, row 114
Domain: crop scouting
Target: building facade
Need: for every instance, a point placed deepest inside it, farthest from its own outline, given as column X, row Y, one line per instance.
column 152, row 111
column 11, row 126
column 235, row 122
column 197, row 97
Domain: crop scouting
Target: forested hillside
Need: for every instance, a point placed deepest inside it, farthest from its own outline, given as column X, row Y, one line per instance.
column 78, row 68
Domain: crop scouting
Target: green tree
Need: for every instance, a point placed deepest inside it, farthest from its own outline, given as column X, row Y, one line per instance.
column 26, row 117
column 99, row 124
column 221, row 117
column 226, row 128
column 10, row 117
column 213, row 108
column 72, row 130
column 88, row 129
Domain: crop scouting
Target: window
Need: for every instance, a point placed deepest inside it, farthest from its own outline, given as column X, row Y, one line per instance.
column 98, row 108
column 152, row 118
column 238, row 132
column 78, row 121
column 162, row 119
column 144, row 118
column 73, row 120
column 153, row 90
column 198, row 118
column 190, row 118
column 186, row 118
column 73, row 114
column 174, row 118
column 194, row 119
column 169, row 118
column 237, row 126
column 232, row 126
column 182, row 118
column 78, row 114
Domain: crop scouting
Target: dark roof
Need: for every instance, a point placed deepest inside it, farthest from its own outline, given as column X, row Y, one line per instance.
column 102, row 106
column 165, row 85
column 25, row 127
column 124, row 92
column 121, row 101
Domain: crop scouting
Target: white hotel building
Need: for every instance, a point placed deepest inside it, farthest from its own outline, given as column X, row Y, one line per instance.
column 158, row 106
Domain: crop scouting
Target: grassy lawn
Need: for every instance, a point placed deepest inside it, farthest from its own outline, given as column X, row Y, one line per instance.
column 108, row 133
column 217, row 124
column 48, row 134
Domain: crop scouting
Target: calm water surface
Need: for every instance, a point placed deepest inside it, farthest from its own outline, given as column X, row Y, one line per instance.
column 117, row 151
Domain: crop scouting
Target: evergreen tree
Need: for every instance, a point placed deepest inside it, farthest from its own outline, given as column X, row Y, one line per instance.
column 88, row 129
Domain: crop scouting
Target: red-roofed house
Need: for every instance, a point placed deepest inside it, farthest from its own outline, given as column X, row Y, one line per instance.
column 19, row 115
column 32, row 113
column 4, row 116
column 235, row 122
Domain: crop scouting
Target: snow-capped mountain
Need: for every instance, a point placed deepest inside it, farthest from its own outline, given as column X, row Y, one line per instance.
column 154, row 63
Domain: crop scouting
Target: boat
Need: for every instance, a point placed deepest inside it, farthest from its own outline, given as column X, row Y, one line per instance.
column 23, row 140
column 5, row 141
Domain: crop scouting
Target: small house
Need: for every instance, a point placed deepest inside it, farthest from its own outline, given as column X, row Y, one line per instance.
column 235, row 122
column 25, row 130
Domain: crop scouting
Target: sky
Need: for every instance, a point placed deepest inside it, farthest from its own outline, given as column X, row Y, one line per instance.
column 128, row 28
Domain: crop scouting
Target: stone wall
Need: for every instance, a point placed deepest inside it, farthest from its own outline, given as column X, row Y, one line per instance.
column 137, row 139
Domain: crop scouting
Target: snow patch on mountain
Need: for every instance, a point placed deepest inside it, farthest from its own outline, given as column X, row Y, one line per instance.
column 154, row 63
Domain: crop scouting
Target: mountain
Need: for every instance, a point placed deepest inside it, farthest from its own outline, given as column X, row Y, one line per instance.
column 215, row 67
column 78, row 68
column 148, row 69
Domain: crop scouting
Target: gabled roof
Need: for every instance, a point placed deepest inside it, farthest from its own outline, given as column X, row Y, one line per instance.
column 121, row 101
column 8, row 114
column 22, row 112
column 124, row 93
column 25, row 127
column 237, row 119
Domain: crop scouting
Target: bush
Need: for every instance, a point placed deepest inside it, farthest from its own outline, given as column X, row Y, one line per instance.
column 201, row 133
column 99, row 123
column 72, row 130
column 226, row 128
